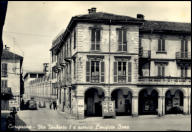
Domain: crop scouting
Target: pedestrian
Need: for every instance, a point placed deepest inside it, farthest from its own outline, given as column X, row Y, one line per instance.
column 50, row 105
column 54, row 105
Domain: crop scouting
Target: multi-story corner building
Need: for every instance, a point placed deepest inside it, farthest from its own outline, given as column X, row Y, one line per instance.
column 144, row 66
column 11, row 79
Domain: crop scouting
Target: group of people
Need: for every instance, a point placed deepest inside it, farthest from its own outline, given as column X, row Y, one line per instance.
column 53, row 104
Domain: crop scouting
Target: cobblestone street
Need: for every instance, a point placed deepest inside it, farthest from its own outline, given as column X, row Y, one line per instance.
column 44, row 119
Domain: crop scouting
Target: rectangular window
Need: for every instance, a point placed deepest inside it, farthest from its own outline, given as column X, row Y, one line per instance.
column 122, row 40
column 95, row 71
column 3, row 83
column 161, row 70
column 121, row 72
column 4, row 70
column 161, row 45
column 95, row 39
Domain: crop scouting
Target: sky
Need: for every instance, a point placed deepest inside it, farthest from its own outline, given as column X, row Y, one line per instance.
column 30, row 27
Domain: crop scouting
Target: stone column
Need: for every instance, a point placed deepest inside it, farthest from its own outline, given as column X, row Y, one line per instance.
column 135, row 106
column 185, row 105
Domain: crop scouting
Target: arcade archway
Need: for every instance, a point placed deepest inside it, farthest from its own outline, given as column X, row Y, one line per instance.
column 93, row 102
column 174, row 102
column 123, row 101
column 148, row 102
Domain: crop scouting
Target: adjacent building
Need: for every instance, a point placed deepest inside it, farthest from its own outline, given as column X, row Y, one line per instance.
column 142, row 65
column 11, row 79
column 38, row 85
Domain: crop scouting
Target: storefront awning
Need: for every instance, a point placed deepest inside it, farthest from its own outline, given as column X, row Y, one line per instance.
column 6, row 93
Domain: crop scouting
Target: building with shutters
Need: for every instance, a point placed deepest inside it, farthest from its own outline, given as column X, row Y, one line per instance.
column 142, row 65
column 11, row 79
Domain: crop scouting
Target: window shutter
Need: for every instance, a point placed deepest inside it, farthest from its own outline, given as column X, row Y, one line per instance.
column 120, row 36
column 124, row 36
column 182, row 45
column 74, row 39
column 88, row 71
column 98, row 37
column 4, row 70
column 159, row 45
column 186, row 45
column 93, row 35
column 102, row 71
column 186, row 71
column 181, row 71
column 163, row 44
column 120, row 40
column 115, row 71
column 163, row 71
column 129, row 71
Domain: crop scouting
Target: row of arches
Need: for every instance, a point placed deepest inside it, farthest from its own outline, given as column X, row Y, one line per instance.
column 147, row 101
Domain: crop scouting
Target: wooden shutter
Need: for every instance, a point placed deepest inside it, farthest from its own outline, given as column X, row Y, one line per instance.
column 115, row 71
column 129, row 71
column 163, row 44
column 98, row 35
column 182, row 45
column 4, row 70
column 163, row 70
column 88, row 71
column 93, row 35
column 159, row 70
column 120, row 40
column 92, row 39
column 186, row 45
column 74, row 39
column 124, row 36
column 102, row 71
column 159, row 45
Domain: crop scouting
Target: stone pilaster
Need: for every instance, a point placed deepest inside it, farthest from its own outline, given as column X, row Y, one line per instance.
column 185, row 105
column 161, row 105
column 135, row 106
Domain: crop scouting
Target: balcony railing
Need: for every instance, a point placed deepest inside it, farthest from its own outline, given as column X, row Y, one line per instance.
column 122, row 79
column 165, row 80
column 95, row 79
column 183, row 55
column 145, row 54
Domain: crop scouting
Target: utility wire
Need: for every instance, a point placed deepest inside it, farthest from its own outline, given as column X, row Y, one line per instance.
column 31, row 34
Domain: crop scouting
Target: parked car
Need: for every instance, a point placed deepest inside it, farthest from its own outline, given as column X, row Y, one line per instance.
column 32, row 104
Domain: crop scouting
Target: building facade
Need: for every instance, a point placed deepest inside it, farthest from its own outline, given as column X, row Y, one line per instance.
column 11, row 79
column 144, row 66
column 39, row 85
column 28, row 77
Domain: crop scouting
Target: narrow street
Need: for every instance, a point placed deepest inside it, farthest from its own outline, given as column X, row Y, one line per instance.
column 45, row 119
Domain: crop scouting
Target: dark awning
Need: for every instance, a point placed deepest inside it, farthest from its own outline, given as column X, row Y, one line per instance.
column 6, row 93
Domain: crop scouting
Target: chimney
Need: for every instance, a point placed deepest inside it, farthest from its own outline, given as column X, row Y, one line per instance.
column 92, row 10
column 140, row 16
column 45, row 67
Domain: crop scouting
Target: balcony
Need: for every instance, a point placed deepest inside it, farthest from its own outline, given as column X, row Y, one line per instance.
column 145, row 54
column 164, row 81
column 183, row 55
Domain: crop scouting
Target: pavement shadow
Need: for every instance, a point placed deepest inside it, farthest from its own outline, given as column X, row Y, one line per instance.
column 20, row 125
